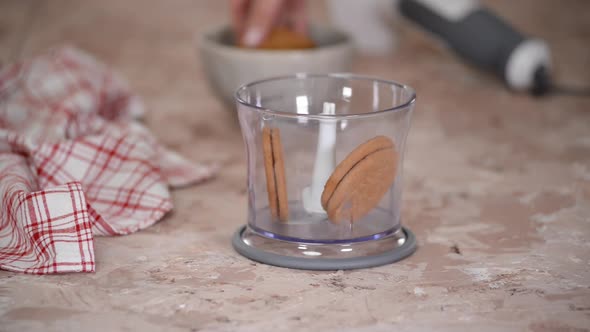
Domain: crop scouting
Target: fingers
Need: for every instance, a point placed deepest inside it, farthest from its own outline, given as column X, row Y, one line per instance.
column 239, row 10
column 253, row 19
column 298, row 15
column 262, row 16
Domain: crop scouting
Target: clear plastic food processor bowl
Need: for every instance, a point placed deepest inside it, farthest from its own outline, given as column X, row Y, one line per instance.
column 325, row 177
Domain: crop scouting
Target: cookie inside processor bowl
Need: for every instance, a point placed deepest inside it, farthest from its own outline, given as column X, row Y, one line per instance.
column 325, row 171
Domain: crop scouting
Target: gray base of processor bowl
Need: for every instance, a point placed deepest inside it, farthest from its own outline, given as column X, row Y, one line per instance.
column 325, row 264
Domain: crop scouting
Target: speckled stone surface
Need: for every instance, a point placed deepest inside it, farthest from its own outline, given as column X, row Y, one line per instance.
column 497, row 191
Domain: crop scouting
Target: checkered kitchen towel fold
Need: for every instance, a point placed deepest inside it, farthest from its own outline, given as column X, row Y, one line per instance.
column 74, row 163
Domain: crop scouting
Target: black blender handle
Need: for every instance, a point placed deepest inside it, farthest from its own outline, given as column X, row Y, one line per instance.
column 482, row 38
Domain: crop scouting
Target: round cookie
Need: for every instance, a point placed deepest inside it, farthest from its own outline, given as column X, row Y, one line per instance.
column 363, row 187
column 271, row 187
column 363, row 150
column 280, row 180
column 274, row 169
column 360, row 181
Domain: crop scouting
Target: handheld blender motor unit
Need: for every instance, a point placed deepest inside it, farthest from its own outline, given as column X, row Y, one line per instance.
column 482, row 38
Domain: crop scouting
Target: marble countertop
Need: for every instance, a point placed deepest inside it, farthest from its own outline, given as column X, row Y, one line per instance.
column 497, row 191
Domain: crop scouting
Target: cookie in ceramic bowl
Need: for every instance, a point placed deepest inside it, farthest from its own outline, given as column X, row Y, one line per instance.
column 228, row 66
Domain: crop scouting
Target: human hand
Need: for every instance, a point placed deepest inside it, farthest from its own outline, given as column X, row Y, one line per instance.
column 254, row 19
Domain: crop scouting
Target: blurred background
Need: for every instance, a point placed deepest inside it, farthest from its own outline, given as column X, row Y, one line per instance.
column 154, row 45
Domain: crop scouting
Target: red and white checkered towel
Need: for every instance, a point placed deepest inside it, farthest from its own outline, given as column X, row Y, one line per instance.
column 74, row 163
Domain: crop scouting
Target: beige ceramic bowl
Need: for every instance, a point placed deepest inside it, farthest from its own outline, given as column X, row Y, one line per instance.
column 228, row 66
